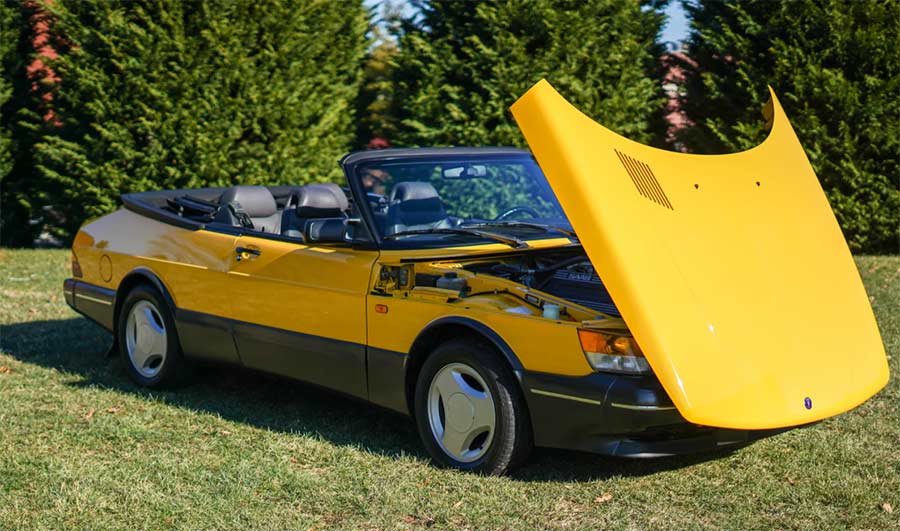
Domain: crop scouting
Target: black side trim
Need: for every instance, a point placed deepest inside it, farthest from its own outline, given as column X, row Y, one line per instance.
column 332, row 363
column 94, row 302
column 387, row 378
column 483, row 330
column 206, row 337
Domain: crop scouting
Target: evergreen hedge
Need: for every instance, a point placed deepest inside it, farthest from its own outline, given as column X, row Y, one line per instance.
column 462, row 64
column 835, row 65
column 9, row 38
column 172, row 93
column 185, row 93
column 21, row 104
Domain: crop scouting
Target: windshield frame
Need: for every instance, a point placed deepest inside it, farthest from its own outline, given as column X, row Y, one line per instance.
column 354, row 162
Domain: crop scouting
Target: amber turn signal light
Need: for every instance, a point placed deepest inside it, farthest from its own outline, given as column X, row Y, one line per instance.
column 609, row 353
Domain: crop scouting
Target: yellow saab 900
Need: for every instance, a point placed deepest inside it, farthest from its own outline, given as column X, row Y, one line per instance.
column 598, row 295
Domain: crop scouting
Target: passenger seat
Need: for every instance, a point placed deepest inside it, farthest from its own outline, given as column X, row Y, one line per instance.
column 313, row 201
column 254, row 201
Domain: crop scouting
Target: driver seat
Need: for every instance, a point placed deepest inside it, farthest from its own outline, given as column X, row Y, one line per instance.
column 415, row 205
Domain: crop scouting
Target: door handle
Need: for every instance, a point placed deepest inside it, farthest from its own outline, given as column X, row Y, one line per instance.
column 245, row 253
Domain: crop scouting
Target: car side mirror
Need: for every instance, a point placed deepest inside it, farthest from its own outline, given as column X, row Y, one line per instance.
column 325, row 230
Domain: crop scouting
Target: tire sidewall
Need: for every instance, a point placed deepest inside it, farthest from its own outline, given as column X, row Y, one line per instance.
column 500, row 382
column 167, row 373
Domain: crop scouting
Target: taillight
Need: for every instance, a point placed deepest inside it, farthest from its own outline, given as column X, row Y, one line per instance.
column 76, row 267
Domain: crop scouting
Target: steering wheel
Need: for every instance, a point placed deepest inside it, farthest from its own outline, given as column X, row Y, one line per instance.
column 510, row 211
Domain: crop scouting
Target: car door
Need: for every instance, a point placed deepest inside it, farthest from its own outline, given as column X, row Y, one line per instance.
column 299, row 310
column 194, row 265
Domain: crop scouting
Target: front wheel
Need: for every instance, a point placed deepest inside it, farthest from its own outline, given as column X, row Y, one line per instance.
column 469, row 409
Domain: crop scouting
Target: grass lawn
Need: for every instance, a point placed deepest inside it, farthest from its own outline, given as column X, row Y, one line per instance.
column 81, row 447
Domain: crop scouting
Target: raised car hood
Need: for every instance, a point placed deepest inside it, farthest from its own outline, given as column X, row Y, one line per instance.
column 730, row 270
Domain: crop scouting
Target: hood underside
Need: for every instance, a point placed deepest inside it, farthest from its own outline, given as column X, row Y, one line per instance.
column 730, row 270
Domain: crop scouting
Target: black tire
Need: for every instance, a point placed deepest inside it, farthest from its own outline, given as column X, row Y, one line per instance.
column 512, row 440
column 173, row 369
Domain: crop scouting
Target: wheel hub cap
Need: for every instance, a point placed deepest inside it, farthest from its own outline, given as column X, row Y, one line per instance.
column 461, row 412
column 145, row 339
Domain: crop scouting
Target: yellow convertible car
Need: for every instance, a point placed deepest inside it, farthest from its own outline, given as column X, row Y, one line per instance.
column 598, row 295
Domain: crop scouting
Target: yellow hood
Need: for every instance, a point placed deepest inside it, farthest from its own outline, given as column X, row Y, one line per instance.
column 730, row 270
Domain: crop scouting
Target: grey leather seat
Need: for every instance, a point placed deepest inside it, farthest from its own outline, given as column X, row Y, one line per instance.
column 256, row 201
column 313, row 201
column 415, row 205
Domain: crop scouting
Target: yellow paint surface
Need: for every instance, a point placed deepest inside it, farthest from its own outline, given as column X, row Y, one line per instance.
column 730, row 270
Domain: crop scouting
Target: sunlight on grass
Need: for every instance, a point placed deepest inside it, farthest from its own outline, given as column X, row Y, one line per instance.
column 81, row 447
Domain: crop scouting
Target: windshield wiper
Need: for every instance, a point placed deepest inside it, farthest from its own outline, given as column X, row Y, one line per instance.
column 524, row 224
column 508, row 240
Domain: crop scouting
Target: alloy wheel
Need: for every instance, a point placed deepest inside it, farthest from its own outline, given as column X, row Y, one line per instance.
column 461, row 412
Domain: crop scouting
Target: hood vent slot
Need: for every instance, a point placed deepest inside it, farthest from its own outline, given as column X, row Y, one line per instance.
column 644, row 180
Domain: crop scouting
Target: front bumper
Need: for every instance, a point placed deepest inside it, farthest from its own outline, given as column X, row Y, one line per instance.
column 618, row 415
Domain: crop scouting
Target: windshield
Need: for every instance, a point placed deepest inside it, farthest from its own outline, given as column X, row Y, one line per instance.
column 454, row 201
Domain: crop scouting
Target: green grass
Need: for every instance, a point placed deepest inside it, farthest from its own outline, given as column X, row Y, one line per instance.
column 81, row 447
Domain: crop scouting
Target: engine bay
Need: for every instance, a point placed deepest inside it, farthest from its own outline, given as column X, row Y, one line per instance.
column 558, row 283
column 568, row 275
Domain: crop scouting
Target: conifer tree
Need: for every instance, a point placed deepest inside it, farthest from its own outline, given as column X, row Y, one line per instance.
column 172, row 93
column 375, row 123
column 21, row 104
column 835, row 65
column 9, row 39
column 462, row 64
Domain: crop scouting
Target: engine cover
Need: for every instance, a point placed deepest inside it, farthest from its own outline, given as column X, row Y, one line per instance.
column 584, row 288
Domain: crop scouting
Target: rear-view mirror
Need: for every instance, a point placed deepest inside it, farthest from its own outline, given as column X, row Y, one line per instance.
column 469, row 171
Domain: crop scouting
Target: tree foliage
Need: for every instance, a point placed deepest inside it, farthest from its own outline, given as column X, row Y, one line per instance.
column 835, row 65
column 9, row 39
column 462, row 64
column 375, row 123
column 21, row 105
column 169, row 94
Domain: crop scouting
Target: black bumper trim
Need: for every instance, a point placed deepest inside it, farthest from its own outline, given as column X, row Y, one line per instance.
column 94, row 302
column 618, row 415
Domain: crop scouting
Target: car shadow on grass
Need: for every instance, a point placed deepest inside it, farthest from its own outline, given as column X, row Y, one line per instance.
column 76, row 346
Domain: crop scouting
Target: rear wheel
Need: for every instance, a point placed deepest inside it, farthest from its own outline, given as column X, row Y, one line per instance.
column 469, row 409
column 148, row 342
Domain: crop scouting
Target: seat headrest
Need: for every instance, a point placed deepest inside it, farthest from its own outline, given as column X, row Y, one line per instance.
column 413, row 190
column 257, row 201
column 321, row 200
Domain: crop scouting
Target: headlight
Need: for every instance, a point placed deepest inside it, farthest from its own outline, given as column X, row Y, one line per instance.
column 610, row 353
